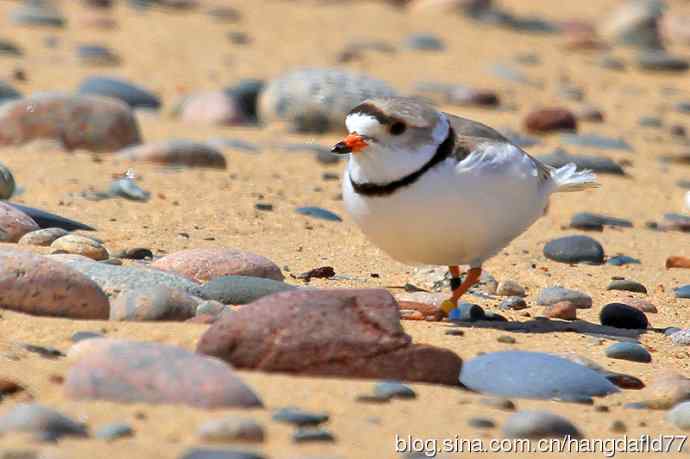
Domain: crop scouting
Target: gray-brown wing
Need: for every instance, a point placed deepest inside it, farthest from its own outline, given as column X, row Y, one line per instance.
column 469, row 134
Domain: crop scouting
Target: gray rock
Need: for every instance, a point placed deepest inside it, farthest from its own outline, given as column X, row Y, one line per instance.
column 498, row 403
column 539, row 424
column 241, row 289
column 574, row 249
column 97, row 55
column 303, row 435
column 600, row 164
column 424, row 42
column 37, row 13
column 7, row 185
column 207, row 453
column 660, row 61
column 394, row 389
column 590, row 221
column 112, row 432
column 231, row 429
column 481, row 423
column 83, row 335
column 635, row 23
column 133, row 95
column 8, row 93
column 679, row 415
column 627, row 286
column 298, row 417
column 595, row 141
column 622, row 260
column 116, row 279
column 513, row 302
column 533, row 375
column 510, row 288
column 129, row 189
column 318, row 212
column 552, row 295
column 628, row 351
column 44, row 423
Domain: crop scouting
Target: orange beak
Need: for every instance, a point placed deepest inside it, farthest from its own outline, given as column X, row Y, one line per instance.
column 353, row 143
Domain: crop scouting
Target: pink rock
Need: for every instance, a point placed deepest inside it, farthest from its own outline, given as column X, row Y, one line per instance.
column 212, row 108
column 176, row 152
column 37, row 285
column 130, row 371
column 14, row 223
column 641, row 304
column 550, row 119
column 344, row 333
column 207, row 264
column 88, row 122
column 565, row 310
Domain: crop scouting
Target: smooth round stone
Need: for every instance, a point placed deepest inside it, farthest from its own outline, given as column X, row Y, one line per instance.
column 424, row 42
column 539, row 424
column 129, row 189
column 216, row 107
column 575, row 249
column 550, row 119
column 112, row 432
column 660, row 61
column 319, row 213
column 312, row 435
column 514, row 303
column 622, row 260
column 510, row 288
column 208, row 264
column 157, row 303
column 147, row 372
column 628, row 351
column 97, row 55
column 394, row 389
column 565, row 310
column 298, row 417
column 40, row 14
column 552, row 295
column 7, row 185
column 211, row 308
column 623, row 316
column 481, row 423
column 91, row 123
column 533, row 375
column 81, row 245
column 131, row 94
column 176, row 153
column 14, row 224
column 47, row 220
column 231, row 429
column 42, row 237
column 589, row 221
column 627, row 286
column 33, row 284
column 679, row 416
column 83, row 335
column 43, row 423
column 466, row 312
column 241, row 289
column 681, row 337
column 683, row 291
column 207, row 453
column 116, row 279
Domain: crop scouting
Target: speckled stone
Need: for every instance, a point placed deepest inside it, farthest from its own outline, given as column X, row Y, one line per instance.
column 208, row 264
column 510, row 288
column 80, row 245
column 241, row 289
column 14, row 224
column 42, row 237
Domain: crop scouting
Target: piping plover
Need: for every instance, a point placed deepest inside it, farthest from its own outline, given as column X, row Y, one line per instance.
column 432, row 188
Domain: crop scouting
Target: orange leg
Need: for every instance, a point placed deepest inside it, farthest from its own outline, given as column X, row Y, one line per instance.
column 471, row 278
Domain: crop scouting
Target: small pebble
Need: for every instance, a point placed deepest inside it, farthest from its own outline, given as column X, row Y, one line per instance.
column 394, row 389
column 566, row 310
column 510, row 288
column 506, row 339
column 618, row 426
column 622, row 260
column 498, row 403
column 628, row 351
column 627, row 285
column 481, row 423
column 575, row 249
column 513, row 302
column 231, row 429
column 319, row 213
column 112, row 432
column 424, row 42
column 552, row 295
column 539, row 424
column 299, row 417
column 679, row 415
column 623, row 316
column 81, row 245
column 312, row 435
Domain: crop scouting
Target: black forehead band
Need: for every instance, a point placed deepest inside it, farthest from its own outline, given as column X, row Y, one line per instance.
column 371, row 110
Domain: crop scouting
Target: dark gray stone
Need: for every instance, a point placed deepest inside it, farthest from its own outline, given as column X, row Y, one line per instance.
column 8, row 93
column 552, row 295
column 312, row 435
column 481, row 423
column 47, row 220
column 97, row 55
column 317, row 212
column 621, row 315
column 533, row 375
column 595, row 141
column 424, row 42
column 600, row 164
column 394, row 389
column 208, row 453
column 241, row 289
column 539, row 424
column 590, row 221
column 298, row 417
column 133, row 95
column 44, row 423
column 37, row 13
column 660, row 61
column 575, row 249
column 627, row 286
column 628, row 351
column 622, row 260
column 83, row 335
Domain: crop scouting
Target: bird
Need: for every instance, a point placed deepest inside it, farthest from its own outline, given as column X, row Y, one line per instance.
column 432, row 188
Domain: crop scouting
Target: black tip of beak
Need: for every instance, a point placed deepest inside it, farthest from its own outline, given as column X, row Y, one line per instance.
column 341, row 148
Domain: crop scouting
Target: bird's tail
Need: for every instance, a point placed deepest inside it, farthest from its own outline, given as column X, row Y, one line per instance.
column 568, row 178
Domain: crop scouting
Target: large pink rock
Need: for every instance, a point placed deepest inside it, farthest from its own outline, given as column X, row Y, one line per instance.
column 14, row 223
column 176, row 153
column 344, row 333
column 130, row 371
column 35, row 284
column 92, row 123
column 207, row 264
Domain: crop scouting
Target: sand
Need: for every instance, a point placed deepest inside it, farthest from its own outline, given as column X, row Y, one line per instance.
column 176, row 53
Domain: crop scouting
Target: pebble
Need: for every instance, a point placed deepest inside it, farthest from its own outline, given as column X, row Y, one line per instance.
column 223, row 143
column 113, row 432
column 650, row 121
column 550, row 119
column 595, row 141
column 590, row 221
column 641, row 304
column 682, row 291
column 311, row 435
column 681, row 337
column 566, row 310
column 8, row 93
column 42, row 237
column 481, row 423
column 319, row 213
column 14, row 223
column 129, row 189
column 231, row 429
column 618, row 426
column 149, row 372
column 394, row 389
column 298, row 417
column 207, row 453
column 600, row 164
column 133, row 95
column 466, row 312
column 44, row 423
column 7, row 184
column 498, row 403
column 241, row 289
column 679, row 416
column 510, row 288
column 424, row 42
column 627, row 286
column 539, row 424
column 541, row 376
column 213, row 107
column 515, row 303
column 176, row 153
column 90, row 123
column 208, row 264
column 34, row 284
column 666, row 391
column 97, row 55
column 47, row 220
column 156, row 303
column 622, row 260
column 505, row 339
column 590, row 114
column 9, row 48
column 675, row 222
column 80, row 245
column 271, row 333
column 634, row 23
column 116, row 279
column 623, row 316
column 628, row 351
column 552, row 295
column 574, row 249
column 660, row 61
column 40, row 14
column 83, row 335
column 317, row 100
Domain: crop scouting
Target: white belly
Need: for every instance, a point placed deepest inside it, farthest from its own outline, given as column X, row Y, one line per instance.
column 451, row 216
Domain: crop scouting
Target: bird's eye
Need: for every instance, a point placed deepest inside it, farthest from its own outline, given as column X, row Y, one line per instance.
column 397, row 128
